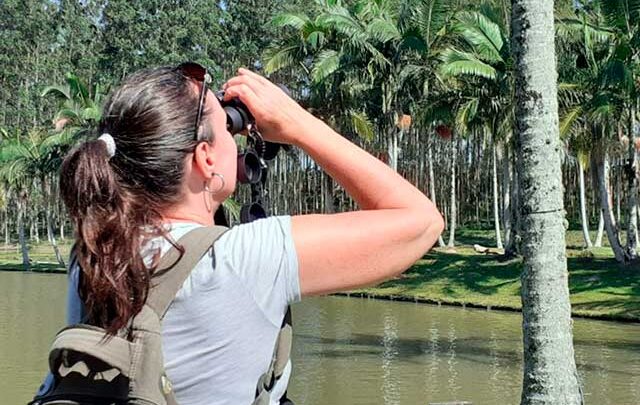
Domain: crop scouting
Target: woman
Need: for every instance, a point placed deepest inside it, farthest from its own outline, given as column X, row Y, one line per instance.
column 153, row 175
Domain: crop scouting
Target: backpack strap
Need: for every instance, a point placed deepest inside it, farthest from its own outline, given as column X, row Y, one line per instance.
column 279, row 360
column 175, row 266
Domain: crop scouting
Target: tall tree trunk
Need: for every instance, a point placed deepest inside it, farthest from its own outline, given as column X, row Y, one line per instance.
column 46, row 193
column 600, row 235
column 507, row 169
column 583, row 206
column 634, row 187
column 392, row 147
column 453, row 208
column 601, row 165
column 496, row 203
column 432, row 187
column 329, row 207
column 7, row 236
column 21, row 236
column 550, row 375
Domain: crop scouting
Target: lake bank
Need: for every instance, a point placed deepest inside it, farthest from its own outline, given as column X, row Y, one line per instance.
column 600, row 287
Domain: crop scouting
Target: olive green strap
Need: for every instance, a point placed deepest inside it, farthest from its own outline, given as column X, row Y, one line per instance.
column 175, row 266
column 279, row 360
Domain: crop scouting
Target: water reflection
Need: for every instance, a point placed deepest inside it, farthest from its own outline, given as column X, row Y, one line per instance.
column 389, row 356
column 360, row 352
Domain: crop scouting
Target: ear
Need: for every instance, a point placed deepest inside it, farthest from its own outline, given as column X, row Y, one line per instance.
column 204, row 159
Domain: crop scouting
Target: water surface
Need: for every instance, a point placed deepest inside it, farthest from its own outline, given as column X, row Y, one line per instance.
column 350, row 351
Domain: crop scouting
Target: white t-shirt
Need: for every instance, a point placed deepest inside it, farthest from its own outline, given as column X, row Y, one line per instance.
column 219, row 333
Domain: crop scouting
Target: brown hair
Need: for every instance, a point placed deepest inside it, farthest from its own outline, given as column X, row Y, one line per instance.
column 116, row 203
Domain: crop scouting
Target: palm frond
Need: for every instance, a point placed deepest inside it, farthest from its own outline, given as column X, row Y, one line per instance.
column 281, row 58
column 568, row 121
column 362, row 125
column 482, row 34
column 383, row 30
column 459, row 63
column 326, row 63
column 292, row 20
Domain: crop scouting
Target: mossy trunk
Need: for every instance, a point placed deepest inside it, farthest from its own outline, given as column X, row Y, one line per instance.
column 550, row 376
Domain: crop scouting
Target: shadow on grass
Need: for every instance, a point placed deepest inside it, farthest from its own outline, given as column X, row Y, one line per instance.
column 472, row 272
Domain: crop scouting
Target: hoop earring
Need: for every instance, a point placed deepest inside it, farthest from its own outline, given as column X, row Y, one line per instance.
column 206, row 186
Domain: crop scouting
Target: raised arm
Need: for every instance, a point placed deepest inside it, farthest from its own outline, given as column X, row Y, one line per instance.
column 397, row 223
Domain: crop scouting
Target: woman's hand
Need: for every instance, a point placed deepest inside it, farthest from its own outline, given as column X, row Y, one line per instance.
column 278, row 117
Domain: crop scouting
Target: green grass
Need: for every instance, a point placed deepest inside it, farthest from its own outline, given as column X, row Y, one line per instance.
column 600, row 287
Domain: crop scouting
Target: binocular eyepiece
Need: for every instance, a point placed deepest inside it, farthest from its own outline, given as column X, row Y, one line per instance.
column 252, row 167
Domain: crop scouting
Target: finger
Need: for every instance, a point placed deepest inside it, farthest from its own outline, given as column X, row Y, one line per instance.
column 246, row 94
column 246, row 80
column 261, row 79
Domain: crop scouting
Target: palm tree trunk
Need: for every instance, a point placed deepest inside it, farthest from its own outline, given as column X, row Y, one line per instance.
column 21, row 236
column 7, row 236
column 583, row 206
column 507, row 169
column 550, row 375
column 634, row 187
column 496, row 203
column 600, row 235
column 452, row 209
column 432, row 187
column 46, row 193
column 392, row 147
column 601, row 165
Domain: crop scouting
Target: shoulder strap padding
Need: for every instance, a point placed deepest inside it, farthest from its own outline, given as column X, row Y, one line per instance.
column 113, row 350
column 175, row 266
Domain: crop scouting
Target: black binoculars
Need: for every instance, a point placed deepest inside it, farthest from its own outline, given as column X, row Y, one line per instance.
column 252, row 166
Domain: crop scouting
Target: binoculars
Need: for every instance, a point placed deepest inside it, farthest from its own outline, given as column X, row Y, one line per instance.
column 252, row 166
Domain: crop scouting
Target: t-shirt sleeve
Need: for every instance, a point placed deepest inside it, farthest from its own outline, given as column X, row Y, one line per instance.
column 262, row 254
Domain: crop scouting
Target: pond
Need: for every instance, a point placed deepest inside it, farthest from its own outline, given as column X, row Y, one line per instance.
column 350, row 351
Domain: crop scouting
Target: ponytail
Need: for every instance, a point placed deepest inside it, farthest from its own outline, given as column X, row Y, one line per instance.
column 110, row 235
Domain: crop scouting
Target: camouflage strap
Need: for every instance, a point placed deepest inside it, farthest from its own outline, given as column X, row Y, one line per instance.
column 279, row 360
column 175, row 266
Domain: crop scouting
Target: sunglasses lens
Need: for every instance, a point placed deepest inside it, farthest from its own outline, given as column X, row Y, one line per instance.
column 193, row 70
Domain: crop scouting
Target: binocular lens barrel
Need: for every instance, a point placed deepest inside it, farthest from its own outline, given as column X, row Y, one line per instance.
column 249, row 167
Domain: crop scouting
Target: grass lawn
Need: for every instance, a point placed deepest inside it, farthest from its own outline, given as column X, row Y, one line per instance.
column 600, row 287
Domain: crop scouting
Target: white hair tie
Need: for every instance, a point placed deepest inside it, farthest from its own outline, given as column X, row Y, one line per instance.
column 110, row 143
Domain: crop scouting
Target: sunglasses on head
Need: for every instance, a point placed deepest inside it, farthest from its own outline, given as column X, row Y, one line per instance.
column 198, row 73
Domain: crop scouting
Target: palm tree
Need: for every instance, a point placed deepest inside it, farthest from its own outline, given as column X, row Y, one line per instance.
column 25, row 160
column 477, row 60
column 79, row 110
column 550, row 375
column 621, row 74
column 591, row 107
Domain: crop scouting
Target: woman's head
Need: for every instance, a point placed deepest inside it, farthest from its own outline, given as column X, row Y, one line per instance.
column 118, row 203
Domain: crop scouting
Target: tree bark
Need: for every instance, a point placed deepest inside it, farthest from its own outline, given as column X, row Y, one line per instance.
column 601, row 165
column 507, row 178
column 46, row 193
column 583, row 206
column 550, row 375
column 21, row 236
column 634, row 187
column 7, row 236
column 600, row 235
column 432, row 187
column 453, row 208
column 496, row 203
